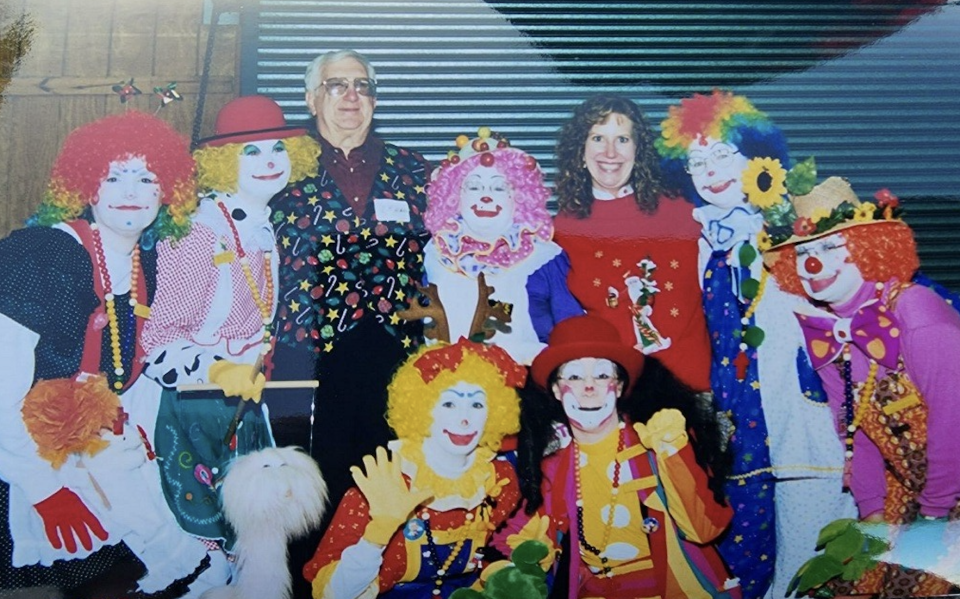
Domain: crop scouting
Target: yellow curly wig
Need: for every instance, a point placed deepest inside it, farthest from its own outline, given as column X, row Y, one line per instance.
column 217, row 166
column 411, row 400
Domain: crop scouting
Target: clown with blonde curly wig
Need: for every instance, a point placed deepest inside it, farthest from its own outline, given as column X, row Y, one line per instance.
column 887, row 351
column 785, row 482
column 420, row 514
column 487, row 214
column 216, row 299
column 76, row 287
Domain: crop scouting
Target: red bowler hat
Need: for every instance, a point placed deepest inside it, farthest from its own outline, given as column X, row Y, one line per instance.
column 585, row 337
column 250, row 118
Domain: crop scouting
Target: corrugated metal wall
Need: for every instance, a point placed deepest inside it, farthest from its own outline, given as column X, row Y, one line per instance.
column 871, row 88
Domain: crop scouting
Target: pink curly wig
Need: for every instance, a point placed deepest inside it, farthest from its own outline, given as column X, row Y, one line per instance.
column 526, row 186
column 882, row 251
column 87, row 152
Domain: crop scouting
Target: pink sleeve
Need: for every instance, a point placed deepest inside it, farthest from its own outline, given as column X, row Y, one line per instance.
column 186, row 280
column 931, row 353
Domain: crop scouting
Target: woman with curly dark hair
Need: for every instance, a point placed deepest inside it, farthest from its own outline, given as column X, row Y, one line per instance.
column 633, row 252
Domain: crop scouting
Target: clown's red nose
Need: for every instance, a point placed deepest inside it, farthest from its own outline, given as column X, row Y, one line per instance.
column 813, row 265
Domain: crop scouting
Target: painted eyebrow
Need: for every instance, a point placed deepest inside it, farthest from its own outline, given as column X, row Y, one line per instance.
column 467, row 394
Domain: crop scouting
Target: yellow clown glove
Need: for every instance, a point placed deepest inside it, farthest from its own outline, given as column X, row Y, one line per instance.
column 666, row 431
column 536, row 529
column 237, row 380
column 391, row 501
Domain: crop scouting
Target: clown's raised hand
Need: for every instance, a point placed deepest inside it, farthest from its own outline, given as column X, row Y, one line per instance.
column 391, row 501
column 666, row 431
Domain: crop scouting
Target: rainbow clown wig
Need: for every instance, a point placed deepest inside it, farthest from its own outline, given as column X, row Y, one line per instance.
column 218, row 166
column 85, row 158
column 418, row 383
column 725, row 117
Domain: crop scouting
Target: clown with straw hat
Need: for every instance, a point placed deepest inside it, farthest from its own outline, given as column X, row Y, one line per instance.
column 886, row 350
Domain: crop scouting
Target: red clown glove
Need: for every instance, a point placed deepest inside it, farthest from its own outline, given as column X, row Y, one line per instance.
column 64, row 515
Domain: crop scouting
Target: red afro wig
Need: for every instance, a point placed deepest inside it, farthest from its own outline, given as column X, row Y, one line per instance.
column 882, row 251
column 87, row 152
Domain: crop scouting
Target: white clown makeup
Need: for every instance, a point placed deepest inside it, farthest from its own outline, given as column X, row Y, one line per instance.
column 826, row 270
column 459, row 419
column 588, row 389
column 610, row 152
column 716, row 169
column 264, row 170
column 486, row 203
column 128, row 199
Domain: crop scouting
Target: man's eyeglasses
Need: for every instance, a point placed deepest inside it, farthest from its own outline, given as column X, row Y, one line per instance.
column 338, row 86
column 696, row 165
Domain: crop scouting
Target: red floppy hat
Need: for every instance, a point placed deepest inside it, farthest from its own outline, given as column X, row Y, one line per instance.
column 250, row 118
column 585, row 337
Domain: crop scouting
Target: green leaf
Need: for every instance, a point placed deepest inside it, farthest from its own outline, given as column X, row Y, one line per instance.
column 802, row 178
column 749, row 288
column 753, row 336
column 747, row 254
column 821, row 569
column 846, row 545
column 529, row 552
column 796, row 577
column 875, row 546
column 855, row 568
column 833, row 530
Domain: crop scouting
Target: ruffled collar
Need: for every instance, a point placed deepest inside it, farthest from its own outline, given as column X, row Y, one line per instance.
column 725, row 227
column 465, row 492
column 462, row 253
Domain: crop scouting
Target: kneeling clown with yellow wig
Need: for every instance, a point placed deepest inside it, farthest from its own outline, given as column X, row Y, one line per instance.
column 419, row 513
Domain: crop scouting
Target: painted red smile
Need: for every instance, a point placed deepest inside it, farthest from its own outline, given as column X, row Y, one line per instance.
column 460, row 440
column 481, row 213
column 718, row 187
column 272, row 177
column 128, row 207
column 818, row 285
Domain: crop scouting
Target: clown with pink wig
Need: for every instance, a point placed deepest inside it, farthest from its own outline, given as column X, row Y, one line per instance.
column 492, row 246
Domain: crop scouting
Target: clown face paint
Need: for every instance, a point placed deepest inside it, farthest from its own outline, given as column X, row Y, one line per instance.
column 128, row 199
column 588, row 389
column 458, row 420
column 826, row 270
column 264, row 170
column 486, row 203
column 610, row 151
column 716, row 169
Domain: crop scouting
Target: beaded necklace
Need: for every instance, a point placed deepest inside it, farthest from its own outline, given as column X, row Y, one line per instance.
column 117, row 378
column 851, row 402
column 431, row 554
column 264, row 303
column 614, row 496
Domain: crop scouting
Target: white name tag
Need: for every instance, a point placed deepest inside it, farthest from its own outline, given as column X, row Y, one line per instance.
column 391, row 210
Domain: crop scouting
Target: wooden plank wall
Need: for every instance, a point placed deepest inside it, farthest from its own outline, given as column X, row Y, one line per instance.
column 76, row 50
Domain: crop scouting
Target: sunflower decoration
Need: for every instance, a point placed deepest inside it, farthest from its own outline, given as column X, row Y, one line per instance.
column 764, row 182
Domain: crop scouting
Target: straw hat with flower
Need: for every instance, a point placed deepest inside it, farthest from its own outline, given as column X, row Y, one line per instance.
column 811, row 210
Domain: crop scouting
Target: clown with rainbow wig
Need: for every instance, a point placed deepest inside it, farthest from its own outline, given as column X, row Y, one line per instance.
column 487, row 214
column 716, row 148
column 418, row 519
column 80, row 482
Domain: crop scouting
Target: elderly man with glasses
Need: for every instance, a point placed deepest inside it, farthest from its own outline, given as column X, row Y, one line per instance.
column 350, row 243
